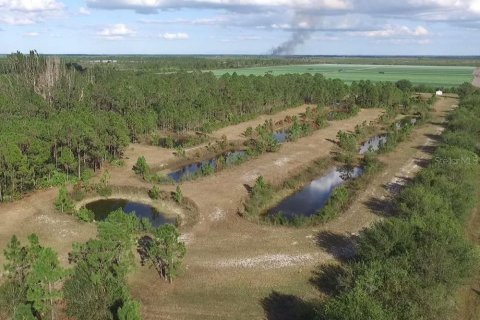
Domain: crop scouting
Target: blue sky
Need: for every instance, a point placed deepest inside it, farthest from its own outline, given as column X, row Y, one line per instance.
column 341, row 27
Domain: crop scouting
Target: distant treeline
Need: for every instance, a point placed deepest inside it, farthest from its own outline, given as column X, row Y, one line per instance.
column 60, row 117
column 172, row 63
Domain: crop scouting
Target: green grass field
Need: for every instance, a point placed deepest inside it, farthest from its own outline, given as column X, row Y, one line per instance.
column 442, row 76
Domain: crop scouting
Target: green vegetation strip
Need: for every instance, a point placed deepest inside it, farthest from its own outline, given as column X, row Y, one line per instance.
column 442, row 76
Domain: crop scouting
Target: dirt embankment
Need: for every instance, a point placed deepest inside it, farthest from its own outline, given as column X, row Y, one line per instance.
column 476, row 78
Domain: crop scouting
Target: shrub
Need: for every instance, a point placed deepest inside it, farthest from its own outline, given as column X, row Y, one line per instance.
column 141, row 167
column 261, row 193
column 347, row 141
column 154, row 193
column 178, row 195
column 207, row 169
column 248, row 132
column 63, row 202
column 85, row 215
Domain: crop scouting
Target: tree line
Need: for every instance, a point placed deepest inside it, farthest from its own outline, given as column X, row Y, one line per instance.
column 60, row 120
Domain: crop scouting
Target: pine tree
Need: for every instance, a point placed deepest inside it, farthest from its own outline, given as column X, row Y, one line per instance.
column 166, row 251
column 42, row 282
column 64, row 203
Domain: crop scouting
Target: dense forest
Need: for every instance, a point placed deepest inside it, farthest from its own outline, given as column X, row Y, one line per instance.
column 60, row 119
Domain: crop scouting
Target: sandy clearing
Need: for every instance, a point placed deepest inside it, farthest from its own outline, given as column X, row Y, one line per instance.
column 272, row 261
column 476, row 78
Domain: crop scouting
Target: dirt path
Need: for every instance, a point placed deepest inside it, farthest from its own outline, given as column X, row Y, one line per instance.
column 476, row 78
column 235, row 132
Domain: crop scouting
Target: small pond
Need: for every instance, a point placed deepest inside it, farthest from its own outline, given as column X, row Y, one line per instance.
column 190, row 169
column 101, row 209
column 373, row 144
column 314, row 196
column 281, row 136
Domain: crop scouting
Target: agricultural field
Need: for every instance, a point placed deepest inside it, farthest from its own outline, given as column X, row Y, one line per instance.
column 441, row 76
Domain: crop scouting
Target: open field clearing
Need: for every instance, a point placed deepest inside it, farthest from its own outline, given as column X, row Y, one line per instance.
column 443, row 76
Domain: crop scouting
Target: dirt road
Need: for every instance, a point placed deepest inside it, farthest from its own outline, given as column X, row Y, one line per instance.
column 476, row 78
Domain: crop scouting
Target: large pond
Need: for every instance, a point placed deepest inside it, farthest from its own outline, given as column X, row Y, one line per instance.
column 101, row 209
column 227, row 158
column 373, row 144
column 314, row 196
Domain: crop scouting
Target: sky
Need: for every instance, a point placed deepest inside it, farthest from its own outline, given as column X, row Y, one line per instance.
column 316, row 27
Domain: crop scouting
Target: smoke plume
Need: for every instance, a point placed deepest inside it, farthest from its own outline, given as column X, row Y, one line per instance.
column 301, row 31
column 297, row 38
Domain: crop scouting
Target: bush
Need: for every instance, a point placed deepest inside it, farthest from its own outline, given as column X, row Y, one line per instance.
column 178, row 195
column 63, row 202
column 141, row 167
column 334, row 205
column 154, row 193
column 207, row 169
column 261, row 193
column 85, row 215
column 298, row 130
column 347, row 141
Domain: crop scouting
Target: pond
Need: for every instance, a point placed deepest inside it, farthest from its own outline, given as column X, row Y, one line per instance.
column 281, row 136
column 101, row 209
column 373, row 144
column 314, row 196
column 228, row 158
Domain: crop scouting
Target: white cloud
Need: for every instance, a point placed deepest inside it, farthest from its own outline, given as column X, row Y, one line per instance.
column 26, row 12
column 151, row 6
column 16, row 21
column 174, row 36
column 219, row 20
column 31, row 5
column 31, row 34
column 116, row 32
column 84, row 11
column 395, row 31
